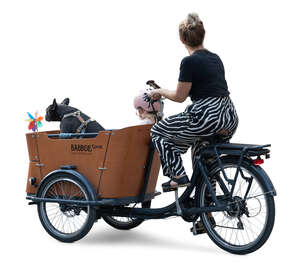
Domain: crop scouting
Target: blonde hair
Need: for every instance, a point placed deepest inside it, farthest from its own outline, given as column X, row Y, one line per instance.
column 148, row 115
column 192, row 31
column 151, row 116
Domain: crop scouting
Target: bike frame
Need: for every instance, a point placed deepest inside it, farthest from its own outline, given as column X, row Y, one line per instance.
column 200, row 174
column 108, row 207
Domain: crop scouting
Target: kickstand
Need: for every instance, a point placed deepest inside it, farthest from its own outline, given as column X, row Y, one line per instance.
column 178, row 209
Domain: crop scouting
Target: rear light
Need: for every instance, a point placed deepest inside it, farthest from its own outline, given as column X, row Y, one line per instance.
column 258, row 161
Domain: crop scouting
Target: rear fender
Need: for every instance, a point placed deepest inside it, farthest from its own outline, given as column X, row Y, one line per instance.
column 265, row 178
column 258, row 170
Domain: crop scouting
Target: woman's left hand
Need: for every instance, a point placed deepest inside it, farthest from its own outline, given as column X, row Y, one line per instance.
column 155, row 94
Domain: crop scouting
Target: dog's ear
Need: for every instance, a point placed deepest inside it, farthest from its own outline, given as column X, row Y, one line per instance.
column 54, row 104
column 66, row 101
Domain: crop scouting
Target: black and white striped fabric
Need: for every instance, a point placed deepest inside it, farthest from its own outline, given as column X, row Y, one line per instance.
column 174, row 135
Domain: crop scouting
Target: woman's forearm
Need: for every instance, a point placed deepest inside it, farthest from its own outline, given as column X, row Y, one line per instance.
column 169, row 94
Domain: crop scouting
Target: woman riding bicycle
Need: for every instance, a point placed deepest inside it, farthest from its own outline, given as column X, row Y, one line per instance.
column 212, row 112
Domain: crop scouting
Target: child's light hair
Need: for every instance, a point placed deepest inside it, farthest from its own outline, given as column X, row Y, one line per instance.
column 146, row 117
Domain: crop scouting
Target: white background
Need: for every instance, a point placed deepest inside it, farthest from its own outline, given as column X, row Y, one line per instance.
column 100, row 54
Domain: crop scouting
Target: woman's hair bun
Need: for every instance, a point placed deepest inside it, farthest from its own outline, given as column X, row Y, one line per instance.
column 192, row 20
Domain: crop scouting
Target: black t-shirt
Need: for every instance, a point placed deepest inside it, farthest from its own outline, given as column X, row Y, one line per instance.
column 206, row 72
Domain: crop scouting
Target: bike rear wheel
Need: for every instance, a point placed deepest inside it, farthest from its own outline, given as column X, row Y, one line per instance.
column 249, row 224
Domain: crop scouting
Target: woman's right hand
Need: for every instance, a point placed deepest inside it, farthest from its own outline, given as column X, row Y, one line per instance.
column 155, row 94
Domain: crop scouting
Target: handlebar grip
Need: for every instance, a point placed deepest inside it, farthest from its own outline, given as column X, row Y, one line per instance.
column 152, row 83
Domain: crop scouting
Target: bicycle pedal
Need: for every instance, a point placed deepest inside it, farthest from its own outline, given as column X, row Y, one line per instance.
column 169, row 189
column 197, row 228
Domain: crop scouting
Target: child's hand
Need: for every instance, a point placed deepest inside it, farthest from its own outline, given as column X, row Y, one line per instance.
column 155, row 94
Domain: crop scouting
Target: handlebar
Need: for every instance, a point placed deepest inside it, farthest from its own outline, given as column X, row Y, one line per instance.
column 152, row 83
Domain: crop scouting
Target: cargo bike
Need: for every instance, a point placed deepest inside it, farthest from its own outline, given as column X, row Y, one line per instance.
column 76, row 179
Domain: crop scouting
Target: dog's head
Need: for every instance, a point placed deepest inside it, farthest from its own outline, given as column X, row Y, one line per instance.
column 53, row 110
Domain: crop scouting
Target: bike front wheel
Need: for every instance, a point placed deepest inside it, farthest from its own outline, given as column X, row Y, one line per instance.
column 249, row 223
column 66, row 222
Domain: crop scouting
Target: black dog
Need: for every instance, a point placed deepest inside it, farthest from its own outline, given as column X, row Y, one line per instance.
column 71, row 119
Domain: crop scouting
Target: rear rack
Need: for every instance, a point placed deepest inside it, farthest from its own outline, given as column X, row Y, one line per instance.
column 237, row 149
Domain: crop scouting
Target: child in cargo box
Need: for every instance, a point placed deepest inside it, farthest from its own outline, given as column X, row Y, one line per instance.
column 145, row 111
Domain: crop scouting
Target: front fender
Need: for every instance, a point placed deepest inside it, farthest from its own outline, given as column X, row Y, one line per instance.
column 74, row 173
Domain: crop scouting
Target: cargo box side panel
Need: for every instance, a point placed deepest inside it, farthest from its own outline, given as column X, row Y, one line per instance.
column 32, row 146
column 153, row 173
column 87, row 154
column 34, row 169
column 125, row 162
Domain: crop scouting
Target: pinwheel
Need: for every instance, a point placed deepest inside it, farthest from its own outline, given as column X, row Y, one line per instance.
column 34, row 122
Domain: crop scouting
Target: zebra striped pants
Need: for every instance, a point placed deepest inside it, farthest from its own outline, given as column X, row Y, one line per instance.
column 174, row 135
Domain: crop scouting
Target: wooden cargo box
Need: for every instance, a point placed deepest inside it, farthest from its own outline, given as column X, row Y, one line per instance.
column 114, row 161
